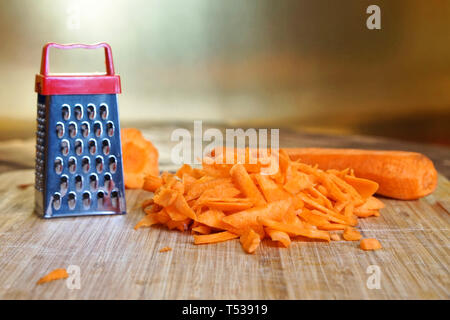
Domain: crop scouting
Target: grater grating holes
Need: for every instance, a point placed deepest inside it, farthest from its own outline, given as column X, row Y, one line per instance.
column 85, row 164
column 72, row 200
column 56, row 201
column 91, row 111
column 108, row 182
column 106, row 148
column 59, row 129
column 110, row 128
column 72, row 129
column 85, row 129
column 40, row 147
column 78, row 111
column 97, row 128
column 86, row 200
column 58, row 165
column 93, row 182
column 65, row 145
column 72, row 164
column 92, row 146
column 100, row 198
column 114, row 198
column 112, row 164
column 99, row 164
column 78, row 183
column 104, row 111
column 64, row 184
column 79, row 147
column 65, row 111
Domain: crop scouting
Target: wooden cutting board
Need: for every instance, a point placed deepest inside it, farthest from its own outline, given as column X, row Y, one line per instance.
column 117, row 262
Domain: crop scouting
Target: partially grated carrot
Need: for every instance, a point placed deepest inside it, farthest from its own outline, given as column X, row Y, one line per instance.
column 54, row 275
column 223, row 201
column 140, row 158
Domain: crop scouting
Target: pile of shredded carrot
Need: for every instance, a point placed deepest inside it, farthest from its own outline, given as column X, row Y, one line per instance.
column 220, row 202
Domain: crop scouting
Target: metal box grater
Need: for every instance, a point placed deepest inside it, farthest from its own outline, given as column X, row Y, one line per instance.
column 78, row 149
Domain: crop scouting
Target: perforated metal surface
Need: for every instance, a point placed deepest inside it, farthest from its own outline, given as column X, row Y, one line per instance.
column 78, row 156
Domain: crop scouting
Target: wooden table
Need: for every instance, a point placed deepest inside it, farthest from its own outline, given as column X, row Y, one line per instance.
column 117, row 262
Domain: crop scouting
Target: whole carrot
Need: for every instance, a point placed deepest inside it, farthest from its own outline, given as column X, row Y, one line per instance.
column 400, row 174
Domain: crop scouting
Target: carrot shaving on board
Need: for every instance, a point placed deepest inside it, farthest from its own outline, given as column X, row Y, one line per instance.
column 351, row 234
column 214, row 237
column 250, row 240
column 370, row 244
column 202, row 229
column 335, row 237
column 54, row 275
column 222, row 201
column 279, row 236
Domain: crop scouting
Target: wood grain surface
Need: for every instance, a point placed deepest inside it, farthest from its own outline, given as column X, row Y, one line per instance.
column 117, row 262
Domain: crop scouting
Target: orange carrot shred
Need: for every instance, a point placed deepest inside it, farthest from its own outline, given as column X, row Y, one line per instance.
column 250, row 240
column 370, row 244
column 351, row 234
column 271, row 191
column 147, row 221
column 214, row 237
column 295, row 230
column 246, row 185
column 54, row 275
column 335, row 237
column 280, row 236
column 202, row 229
column 165, row 249
column 151, row 183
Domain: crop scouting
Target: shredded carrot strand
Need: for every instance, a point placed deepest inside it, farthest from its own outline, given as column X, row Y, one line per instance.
column 54, row 275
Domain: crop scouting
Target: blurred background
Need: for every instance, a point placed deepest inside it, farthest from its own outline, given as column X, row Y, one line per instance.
column 310, row 65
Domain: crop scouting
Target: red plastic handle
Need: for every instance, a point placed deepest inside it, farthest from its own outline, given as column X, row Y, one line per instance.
column 108, row 54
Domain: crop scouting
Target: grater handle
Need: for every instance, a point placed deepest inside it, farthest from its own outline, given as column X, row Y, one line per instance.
column 108, row 54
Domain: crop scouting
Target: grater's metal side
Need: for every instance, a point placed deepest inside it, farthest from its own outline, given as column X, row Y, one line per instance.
column 58, row 191
column 40, row 157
